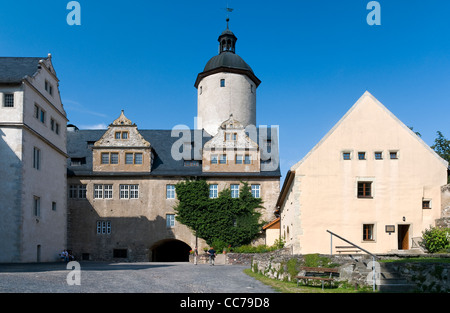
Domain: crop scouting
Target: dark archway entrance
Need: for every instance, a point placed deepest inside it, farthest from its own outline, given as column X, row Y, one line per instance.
column 171, row 250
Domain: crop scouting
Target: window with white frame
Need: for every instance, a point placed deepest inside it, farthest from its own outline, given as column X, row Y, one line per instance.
column 170, row 191
column 124, row 191
column 213, row 191
column 234, row 191
column 103, row 191
column 108, row 191
column 103, row 227
column 256, row 191
column 129, row 191
column 170, row 220
column 98, row 191
column 134, row 191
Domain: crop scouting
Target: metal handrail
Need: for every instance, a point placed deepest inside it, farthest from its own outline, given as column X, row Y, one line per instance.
column 356, row 246
column 349, row 242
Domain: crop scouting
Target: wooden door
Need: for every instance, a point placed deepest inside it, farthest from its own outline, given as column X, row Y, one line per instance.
column 403, row 237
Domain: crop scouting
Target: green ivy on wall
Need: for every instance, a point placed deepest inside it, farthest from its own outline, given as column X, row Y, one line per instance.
column 222, row 221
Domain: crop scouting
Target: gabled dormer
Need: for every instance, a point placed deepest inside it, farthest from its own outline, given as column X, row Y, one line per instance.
column 122, row 149
column 231, row 150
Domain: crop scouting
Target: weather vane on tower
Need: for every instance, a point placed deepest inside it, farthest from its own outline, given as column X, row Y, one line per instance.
column 228, row 10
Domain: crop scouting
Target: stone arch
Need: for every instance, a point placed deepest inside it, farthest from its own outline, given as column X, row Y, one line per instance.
column 170, row 250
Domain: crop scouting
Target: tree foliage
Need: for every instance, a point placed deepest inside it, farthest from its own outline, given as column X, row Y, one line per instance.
column 436, row 239
column 442, row 147
column 224, row 220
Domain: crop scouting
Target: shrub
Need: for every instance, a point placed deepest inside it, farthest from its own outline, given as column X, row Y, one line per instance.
column 435, row 239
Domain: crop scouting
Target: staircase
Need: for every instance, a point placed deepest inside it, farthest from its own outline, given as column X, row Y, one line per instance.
column 388, row 279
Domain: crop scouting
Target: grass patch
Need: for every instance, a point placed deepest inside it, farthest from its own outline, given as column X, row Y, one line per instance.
column 291, row 287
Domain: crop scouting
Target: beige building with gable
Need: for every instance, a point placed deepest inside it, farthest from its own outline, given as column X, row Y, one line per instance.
column 370, row 180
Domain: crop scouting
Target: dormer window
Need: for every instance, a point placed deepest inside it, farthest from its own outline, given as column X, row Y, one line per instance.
column 121, row 135
column 230, row 136
column 49, row 88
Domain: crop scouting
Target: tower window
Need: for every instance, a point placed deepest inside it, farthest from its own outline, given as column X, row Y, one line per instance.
column 222, row 82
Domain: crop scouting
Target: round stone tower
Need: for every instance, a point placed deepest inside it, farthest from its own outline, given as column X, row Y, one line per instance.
column 226, row 86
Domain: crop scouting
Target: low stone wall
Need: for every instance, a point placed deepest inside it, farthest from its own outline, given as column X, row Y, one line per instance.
column 357, row 269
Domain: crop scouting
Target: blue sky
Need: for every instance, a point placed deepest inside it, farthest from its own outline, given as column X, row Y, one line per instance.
column 315, row 58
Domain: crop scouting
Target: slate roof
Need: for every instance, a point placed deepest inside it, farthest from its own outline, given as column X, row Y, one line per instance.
column 15, row 69
column 163, row 164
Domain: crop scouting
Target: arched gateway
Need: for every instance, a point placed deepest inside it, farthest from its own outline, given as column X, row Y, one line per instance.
column 170, row 250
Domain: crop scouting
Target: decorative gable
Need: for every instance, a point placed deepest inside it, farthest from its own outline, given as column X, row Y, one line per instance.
column 231, row 150
column 122, row 149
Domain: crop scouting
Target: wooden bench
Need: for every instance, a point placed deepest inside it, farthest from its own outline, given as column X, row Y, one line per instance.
column 315, row 271
column 347, row 249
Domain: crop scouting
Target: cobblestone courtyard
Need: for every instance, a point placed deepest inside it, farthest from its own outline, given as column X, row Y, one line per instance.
column 97, row 277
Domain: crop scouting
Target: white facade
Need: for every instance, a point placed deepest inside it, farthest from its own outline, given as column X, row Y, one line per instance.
column 33, row 218
column 223, row 94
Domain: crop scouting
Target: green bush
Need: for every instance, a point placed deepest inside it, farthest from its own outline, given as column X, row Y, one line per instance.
column 436, row 239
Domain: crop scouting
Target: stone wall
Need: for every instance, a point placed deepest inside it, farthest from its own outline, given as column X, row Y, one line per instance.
column 357, row 270
column 444, row 221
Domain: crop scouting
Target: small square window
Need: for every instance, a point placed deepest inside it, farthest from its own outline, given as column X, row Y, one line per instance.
column 239, row 159
column 426, row 204
column 117, row 135
column 378, row 155
column 361, row 155
column 214, row 159
column 364, row 189
column 393, row 155
column 8, row 100
column 247, row 159
column 346, row 155
column 223, row 159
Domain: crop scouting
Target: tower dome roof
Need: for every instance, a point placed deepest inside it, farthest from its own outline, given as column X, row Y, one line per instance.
column 227, row 60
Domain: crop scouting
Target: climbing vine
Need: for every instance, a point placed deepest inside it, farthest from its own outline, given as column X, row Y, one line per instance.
column 220, row 221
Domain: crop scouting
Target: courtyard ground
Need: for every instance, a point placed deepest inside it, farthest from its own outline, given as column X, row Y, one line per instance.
column 102, row 277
